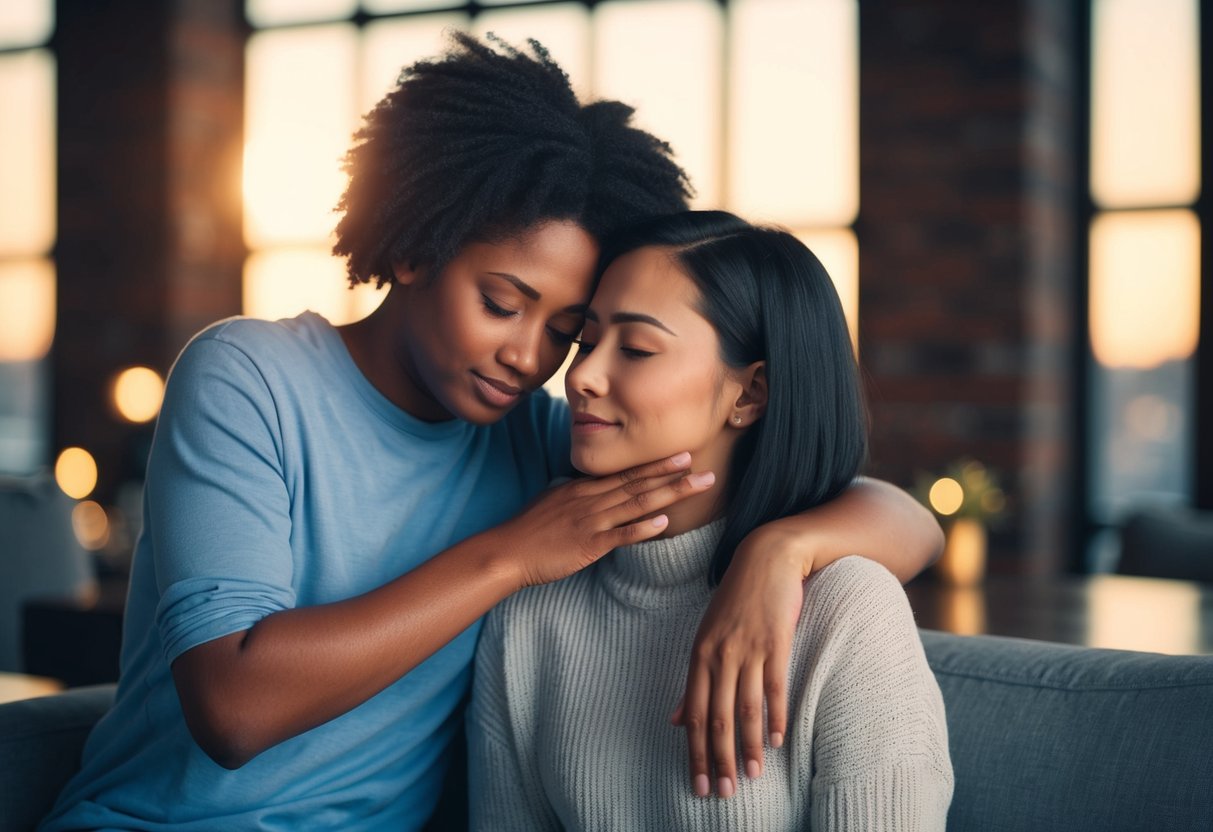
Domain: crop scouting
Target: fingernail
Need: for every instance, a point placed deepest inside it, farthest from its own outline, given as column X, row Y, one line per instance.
column 751, row 769
column 724, row 787
column 660, row 521
column 681, row 459
column 702, row 478
column 776, row 739
column 701, row 785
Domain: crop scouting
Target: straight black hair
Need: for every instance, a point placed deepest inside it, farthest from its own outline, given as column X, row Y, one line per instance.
column 769, row 299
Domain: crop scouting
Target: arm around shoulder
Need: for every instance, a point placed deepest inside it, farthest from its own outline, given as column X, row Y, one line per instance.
column 871, row 518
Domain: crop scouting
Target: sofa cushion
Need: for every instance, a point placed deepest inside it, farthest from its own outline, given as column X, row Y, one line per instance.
column 1053, row 737
column 40, row 744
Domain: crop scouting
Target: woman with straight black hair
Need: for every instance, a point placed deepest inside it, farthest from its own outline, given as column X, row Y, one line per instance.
column 708, row 333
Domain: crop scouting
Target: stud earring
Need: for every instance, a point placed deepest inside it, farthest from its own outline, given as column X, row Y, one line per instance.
column 736, row 420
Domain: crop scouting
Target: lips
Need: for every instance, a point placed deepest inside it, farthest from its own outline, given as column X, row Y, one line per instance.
column 589, row 423
column 496, row 393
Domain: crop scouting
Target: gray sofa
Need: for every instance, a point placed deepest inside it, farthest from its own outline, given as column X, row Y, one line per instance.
column 1043, row 737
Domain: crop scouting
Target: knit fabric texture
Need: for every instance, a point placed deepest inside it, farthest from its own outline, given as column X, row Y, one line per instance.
column 575, row 681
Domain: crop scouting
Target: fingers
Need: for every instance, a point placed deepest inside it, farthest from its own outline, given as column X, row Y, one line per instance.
column 694, row 720
column 749, row 714
column 775, row 688
column 720, row 726
column 660, row 497
column 638, row 478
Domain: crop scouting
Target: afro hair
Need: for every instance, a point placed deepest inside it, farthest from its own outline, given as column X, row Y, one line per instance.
column 484, row 142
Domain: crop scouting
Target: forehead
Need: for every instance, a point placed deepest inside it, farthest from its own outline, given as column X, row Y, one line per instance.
column 647, row 280
column 556, row 258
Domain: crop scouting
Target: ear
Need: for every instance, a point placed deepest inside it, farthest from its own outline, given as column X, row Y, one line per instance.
column 752, row 402
column 404, row 274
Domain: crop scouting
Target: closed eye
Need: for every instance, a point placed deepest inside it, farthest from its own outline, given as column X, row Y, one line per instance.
column 635, row 354
column 494, row 309
column 583, row 347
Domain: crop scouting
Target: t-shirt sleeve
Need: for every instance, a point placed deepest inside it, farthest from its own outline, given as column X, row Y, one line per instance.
column 219, row 509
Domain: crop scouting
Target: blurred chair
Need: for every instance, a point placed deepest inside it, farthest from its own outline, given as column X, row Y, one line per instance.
column 39, row 555
column 1168, row 542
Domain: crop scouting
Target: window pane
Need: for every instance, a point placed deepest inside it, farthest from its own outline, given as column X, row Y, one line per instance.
column 27, row 309
column 281, row 283
column 664, row 58
column 563, row 28
column 391, row 45
column 27, row 154
column 1144, row 287
column 280, row 12
column 1145, row 102
column 27, row 326
column 389, row 6
column 26, row 22
column 794, row 111
column 300, row 114
column 1144, row 301
column 838, row 251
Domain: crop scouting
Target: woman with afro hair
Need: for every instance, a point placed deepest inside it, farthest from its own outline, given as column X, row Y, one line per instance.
column 329, row 511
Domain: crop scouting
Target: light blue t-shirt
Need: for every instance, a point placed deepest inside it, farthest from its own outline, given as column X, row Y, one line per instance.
column 280, row 477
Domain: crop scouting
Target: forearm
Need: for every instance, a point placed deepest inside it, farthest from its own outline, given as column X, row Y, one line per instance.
column 871, row 518
column 299, row 668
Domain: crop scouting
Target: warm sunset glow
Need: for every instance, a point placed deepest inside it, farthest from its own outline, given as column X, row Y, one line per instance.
column 278, row 12
column 27, row 153
column 299, row 116
column 946, row 496
column 794, row 111
column 281, row 283
column 1144, row 287
column 390, row 45
column 1145, row 102
column 76, row 473
column 564, row 29
column 91, row 525
column 26, row 22
column 678, row 42
column 27, row 309
column 838, row 251
column 137, row 394
column 1144, row 614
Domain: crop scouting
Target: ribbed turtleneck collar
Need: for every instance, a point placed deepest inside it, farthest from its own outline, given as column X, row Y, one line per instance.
column 663, row 573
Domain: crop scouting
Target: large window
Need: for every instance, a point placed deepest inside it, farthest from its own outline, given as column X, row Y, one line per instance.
column 759, row 99
column 27, row 231
column 1144, row 255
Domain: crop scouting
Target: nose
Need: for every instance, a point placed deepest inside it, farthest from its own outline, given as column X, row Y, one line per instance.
column 586, row 376
column 521, row 352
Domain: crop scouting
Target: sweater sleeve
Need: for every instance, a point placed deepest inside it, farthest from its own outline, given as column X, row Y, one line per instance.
column 870, row 708
column 504, row 786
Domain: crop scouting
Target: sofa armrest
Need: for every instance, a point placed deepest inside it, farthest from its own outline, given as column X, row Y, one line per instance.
column 1054, row 737
column 40, row 744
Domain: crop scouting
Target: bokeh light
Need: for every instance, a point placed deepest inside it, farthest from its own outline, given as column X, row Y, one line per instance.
column 946, row 496
column 137, row 394
column 76, row 472
column 91, row 525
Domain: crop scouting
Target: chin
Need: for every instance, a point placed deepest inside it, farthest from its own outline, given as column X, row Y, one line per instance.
column 595, row 465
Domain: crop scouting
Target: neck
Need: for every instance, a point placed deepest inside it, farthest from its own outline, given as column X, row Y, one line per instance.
column 387, row 369
column 697, row 511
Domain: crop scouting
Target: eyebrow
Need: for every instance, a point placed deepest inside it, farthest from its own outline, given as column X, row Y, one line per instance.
column 533, row 293
column 630, row 318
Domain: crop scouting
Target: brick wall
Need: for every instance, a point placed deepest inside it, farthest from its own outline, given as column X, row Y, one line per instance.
column 150, row 128
column 966, row 238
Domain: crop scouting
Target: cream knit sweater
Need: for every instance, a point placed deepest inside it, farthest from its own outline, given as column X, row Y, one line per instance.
column 569, row 723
